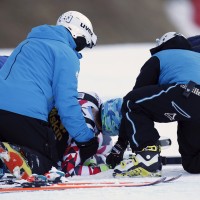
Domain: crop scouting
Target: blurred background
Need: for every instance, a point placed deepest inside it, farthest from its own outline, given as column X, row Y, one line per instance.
column 114, row 21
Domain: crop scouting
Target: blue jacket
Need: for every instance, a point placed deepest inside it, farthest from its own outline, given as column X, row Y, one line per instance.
column 178, row 66
column 174, row 61
column 42, row 72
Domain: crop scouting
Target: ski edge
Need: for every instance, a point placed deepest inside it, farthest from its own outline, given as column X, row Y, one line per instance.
column 167, row 180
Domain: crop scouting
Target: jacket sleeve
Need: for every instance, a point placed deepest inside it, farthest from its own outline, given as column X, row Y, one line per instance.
column 65, row 83
column 149, row 73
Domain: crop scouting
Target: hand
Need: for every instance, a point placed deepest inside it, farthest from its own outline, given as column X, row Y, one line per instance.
column 116, row 155
column 88, row 149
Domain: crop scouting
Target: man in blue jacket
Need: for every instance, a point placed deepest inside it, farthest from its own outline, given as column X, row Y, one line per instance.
column 166, row 90
column 42, row 73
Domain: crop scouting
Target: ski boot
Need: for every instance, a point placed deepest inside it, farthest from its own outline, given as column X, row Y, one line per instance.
column 145, row 163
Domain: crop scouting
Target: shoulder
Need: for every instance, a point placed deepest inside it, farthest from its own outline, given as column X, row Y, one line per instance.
column 3, row 60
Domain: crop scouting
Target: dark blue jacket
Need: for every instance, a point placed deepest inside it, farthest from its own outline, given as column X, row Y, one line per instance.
column 172, row 62
column 3, row 60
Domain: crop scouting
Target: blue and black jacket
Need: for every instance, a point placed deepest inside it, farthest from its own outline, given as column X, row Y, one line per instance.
column 165, row 66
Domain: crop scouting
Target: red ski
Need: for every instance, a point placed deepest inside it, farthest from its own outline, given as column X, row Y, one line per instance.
column 85, row 185
column 76, row 185
column 166, row 179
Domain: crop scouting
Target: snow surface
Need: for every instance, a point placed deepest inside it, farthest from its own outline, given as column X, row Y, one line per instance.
column 111, row 72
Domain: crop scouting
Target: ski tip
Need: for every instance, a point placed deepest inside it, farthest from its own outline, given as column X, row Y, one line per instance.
column 162, row 179
column 173, row 178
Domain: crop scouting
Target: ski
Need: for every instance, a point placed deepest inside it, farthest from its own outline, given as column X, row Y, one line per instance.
column 167, row 180
column 79, row 186
column 24, row 187
column 171, row 160
column 165, row 142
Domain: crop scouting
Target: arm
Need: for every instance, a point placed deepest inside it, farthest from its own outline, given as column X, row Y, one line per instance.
column 65, row 94
column 149, row 73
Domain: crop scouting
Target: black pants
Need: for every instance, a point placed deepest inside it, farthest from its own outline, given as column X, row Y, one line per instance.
column 189, row 145
column 144, row 106
column 31, row 134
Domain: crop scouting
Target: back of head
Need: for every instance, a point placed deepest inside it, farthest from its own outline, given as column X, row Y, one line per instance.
column 89, row 99
column 80, row 28
column 171, row 40
column 90, row 103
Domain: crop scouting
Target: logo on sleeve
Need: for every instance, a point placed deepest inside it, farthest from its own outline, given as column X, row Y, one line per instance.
column 171, row 116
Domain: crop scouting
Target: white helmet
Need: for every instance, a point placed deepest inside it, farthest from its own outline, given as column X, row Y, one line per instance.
column 166, row 37
column 79, row 26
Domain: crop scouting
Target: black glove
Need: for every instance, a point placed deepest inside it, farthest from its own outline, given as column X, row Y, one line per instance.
column 116, row 155
column 88, row 149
